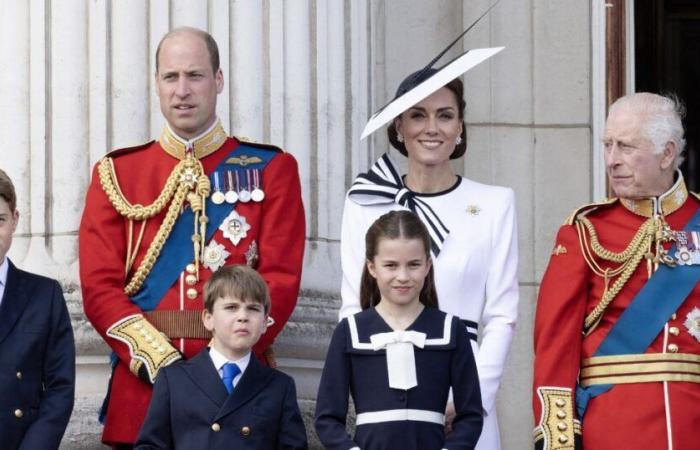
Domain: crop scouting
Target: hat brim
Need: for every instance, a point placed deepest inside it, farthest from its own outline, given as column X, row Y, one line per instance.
column 448, row 73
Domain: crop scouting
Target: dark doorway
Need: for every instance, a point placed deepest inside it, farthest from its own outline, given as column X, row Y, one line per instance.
column 667, row 60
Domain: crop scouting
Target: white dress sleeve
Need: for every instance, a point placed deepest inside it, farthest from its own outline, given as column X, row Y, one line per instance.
column 501, row 307
column 352, row 257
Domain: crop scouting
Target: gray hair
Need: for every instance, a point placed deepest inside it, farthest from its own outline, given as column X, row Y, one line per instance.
column 664, row 119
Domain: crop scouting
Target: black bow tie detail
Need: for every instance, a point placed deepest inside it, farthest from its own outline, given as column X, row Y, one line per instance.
column 383, row 184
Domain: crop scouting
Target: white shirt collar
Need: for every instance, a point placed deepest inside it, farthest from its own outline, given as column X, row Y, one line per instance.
column 219, row 360
column 4, row 267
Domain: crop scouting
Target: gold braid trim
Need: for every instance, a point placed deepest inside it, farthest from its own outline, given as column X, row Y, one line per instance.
column 646, row 243
column 156, row 246
column 558, row 425
column 108, row 180
column 187, row 176
column 147, row 346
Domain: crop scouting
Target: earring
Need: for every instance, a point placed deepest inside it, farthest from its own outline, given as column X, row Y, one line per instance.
column 399, row 137
column 458, row 140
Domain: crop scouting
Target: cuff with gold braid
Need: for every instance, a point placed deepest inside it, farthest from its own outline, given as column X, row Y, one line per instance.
column 149, row 349
column 557, row 429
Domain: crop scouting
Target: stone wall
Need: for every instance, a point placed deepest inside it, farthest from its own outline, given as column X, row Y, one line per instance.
column 304, row 75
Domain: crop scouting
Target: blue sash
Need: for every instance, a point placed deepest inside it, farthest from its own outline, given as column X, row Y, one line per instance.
column 178, row 251
column 645, row 316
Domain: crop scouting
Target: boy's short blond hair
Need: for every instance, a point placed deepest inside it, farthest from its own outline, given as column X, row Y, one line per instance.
column 237, row 281
column 7, row 190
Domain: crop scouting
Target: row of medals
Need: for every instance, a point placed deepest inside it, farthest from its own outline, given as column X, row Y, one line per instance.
column 238, row 191
column 688, row 247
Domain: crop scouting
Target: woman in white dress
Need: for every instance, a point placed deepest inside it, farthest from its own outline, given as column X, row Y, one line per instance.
column 472, row 226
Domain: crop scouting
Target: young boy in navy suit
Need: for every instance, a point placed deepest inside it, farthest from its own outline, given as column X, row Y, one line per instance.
column 223, row 397
column 37, row 353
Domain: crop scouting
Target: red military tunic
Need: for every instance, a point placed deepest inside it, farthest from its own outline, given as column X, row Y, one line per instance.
column 636, row 413
column 277, row 229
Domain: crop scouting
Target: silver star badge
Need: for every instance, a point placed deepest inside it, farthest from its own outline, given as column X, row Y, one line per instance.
column 215, row 255
column 235, row 227
column 692, row 323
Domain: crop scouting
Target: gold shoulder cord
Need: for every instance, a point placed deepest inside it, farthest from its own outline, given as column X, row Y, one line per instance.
column 186, row 181
column 646, row 243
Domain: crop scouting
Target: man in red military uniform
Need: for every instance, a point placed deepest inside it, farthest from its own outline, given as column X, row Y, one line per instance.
column 617, row 331
column 159, row 219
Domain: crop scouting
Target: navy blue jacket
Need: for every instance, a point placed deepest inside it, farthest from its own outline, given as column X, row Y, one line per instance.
column 37, row 362
column 190, row 408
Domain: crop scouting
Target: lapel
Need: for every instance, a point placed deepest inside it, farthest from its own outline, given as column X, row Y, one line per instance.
column 254, row 379
column 204, row 375
column 14, row 301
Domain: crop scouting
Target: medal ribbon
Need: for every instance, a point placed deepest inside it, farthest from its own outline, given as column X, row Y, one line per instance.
column 383, row 184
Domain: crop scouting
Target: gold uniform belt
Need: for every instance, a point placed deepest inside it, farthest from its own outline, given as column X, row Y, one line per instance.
column 179, row 324
column 643, row 368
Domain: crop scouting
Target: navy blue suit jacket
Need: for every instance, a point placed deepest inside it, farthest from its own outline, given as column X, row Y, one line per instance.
column 37, row 362
column 190, row 408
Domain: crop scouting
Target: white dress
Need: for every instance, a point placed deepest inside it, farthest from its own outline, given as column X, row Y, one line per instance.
column 475, row 273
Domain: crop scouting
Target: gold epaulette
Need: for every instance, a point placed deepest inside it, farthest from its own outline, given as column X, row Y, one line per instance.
column 247, row 141
column 147, row 346
column 585, row 209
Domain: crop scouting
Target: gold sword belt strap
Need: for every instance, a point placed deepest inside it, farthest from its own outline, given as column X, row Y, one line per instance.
column 179, row 324
column 642, row 368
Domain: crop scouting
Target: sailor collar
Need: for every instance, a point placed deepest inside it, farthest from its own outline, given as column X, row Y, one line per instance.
column 441, row 336
column 399, row 345
column 665, row 204
column 202, row 145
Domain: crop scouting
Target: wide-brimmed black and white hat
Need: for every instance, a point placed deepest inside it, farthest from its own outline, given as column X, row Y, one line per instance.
column 426, row 81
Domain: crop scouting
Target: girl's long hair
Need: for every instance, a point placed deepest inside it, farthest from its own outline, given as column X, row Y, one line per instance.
column 395, row 225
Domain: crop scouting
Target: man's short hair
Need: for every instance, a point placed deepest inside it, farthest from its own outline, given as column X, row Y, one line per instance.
column 7, row 190
column 206, row 37
column 663, row 116
column 237, row 281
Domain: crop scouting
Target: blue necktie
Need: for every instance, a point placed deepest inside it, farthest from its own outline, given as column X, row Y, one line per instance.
column 230, row 371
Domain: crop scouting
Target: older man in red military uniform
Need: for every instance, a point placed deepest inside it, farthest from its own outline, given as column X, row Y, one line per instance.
column 161, row 218
column 617, row 332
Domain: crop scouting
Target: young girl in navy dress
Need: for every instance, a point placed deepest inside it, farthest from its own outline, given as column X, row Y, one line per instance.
column 400, row 356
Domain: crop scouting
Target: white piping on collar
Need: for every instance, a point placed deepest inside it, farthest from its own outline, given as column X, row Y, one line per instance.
column 357, row 345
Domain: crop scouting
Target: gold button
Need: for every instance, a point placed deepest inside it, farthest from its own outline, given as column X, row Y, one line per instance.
column 190, row 268
column 561, row 414
column 673, row 348
column 674, row 331
column 215, row 427
column 673, row 316
column 191, row 280
column 191, row 293
column 561, row 403
column 245, row 431
column 561, row 426
column 563, row 439
column 19, row 375
column 18, row 413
